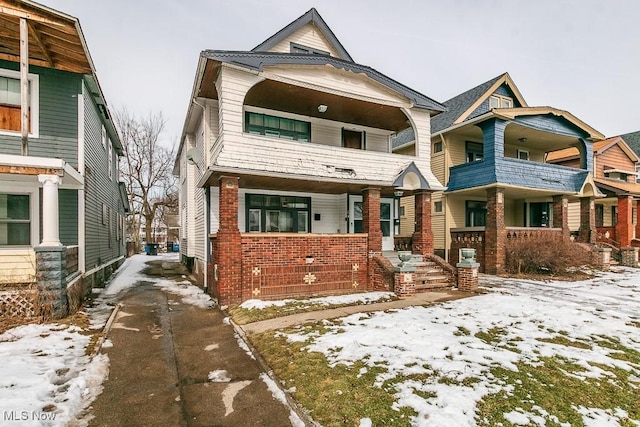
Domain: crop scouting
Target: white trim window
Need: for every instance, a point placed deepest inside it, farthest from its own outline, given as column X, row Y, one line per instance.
column 15, row 220
column 10, row 112
column 110, row 160
column 104, row 137
column 498, row 101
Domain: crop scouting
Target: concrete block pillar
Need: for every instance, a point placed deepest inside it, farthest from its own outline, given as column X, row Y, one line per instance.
column 624, row 226
column 495, row 232
column 561, row 215
column 587, row 232
column 422, row 240
column 228, row 245
column 50, row 221
column 371, row 220
column 629, row 257
column 51, row 276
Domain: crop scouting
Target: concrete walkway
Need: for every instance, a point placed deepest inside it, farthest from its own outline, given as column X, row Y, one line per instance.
column 163, row 354
column 423, row 298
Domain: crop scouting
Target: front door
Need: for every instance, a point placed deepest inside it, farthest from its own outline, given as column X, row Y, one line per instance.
column 386, row 220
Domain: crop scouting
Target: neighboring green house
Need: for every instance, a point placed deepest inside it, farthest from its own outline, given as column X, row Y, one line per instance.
column 61, row 205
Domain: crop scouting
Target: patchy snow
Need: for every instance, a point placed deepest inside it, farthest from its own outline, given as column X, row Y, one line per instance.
column 190, row 294
column 45, row 376
column 439, row 341
column 279, row 395
column 219, row 376
column 362, row 298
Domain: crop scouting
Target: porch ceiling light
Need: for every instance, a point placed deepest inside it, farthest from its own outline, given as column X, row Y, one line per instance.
column 322, row 108
column 398, row 193
column 522, row 140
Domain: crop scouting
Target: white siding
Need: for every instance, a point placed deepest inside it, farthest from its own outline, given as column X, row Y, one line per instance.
column 574, row 216
column 199, row 218
column 309, row 36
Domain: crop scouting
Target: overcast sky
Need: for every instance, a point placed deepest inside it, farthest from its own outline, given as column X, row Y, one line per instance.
column 582, row 56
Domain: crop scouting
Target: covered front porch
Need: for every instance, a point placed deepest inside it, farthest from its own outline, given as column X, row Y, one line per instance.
column 39, row 252
column 618, row 214
column 282, row 236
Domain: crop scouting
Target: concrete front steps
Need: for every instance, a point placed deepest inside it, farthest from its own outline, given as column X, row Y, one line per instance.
column 429, row 275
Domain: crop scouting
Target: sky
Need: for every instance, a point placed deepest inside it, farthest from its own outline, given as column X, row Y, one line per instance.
column 582, row 56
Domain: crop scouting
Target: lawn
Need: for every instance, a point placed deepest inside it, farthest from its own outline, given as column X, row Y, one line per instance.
column 525, row 353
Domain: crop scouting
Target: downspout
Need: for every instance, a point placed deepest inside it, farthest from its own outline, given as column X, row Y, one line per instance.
column 207, row 239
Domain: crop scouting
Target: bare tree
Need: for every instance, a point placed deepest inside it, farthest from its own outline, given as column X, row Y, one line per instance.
column 146, row 169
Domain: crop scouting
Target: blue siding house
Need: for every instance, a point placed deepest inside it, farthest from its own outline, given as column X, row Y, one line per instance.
column 61, row 205
column 490, row 149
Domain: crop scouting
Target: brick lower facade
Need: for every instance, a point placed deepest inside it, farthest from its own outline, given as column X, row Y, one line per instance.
column 587, row 232
column 422, row 241
column 624, row 226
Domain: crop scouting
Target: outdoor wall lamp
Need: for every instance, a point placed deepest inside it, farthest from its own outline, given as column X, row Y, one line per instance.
column 322, row 108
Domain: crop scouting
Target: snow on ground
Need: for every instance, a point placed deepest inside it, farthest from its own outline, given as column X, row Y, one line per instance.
column 45, row 377
column 440, row 340
column 279, row 395
column 363, row 298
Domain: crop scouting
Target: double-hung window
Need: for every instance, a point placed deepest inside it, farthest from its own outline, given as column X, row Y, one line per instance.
column 475, row 213
column 475, row 151
column 10, row 103
column 15, row 220
column 283, row 214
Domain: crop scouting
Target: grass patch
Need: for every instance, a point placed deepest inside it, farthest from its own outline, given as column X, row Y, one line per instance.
column 548, row 386
column 634, row 323
column 341, row 395
column 493, row 336
column 242, row 316
column 562, row 340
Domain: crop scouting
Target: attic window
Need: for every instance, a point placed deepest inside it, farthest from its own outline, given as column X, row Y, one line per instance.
column 618, row 174
column 498, row 101
column 299, row 48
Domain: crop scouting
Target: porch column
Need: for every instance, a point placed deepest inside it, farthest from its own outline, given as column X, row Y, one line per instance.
column 229, row 244
column 495, row 232
column 371, row 219
column 50, row 223
column 587, row 233
column 422, row 240
column 561, row 215
column 624, row 226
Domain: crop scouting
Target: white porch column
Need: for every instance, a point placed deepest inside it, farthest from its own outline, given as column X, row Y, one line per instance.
column 50, row 224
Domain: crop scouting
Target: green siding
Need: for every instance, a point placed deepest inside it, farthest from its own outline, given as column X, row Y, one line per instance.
column 58, row 117
column 68, row 219
column 101, row 239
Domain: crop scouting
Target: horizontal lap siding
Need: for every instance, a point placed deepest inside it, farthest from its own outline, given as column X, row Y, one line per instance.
column 574, row 216
column 100, row 242
column 309, row 36
column 58, row 116
column 614, row 158
column 199, row 218
column 17, row 266
column 68, row 218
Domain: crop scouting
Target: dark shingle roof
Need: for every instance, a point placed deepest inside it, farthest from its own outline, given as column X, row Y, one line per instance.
column 633, row 140
column 257, row 60
column 459, row 104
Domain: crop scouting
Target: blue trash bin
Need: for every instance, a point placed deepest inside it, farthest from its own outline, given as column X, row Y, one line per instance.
column 151, row 248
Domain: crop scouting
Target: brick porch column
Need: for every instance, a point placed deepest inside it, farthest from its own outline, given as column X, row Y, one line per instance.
column 422, row 241
column 495, row 232
column 637, row 235
column 371, row 220
column 561, row 215
column 624, row 227
column 228, row 244
column 587, row 233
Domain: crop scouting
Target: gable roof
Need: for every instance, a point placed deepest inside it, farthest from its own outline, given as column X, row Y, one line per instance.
column 598, row 148
column 258, row 60
column 310, row 17
column 460, row 107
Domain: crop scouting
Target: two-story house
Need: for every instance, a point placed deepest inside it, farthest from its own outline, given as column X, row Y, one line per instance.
column 615, row 172
column 490, row 150
column 289, row 185
column 61, row 205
